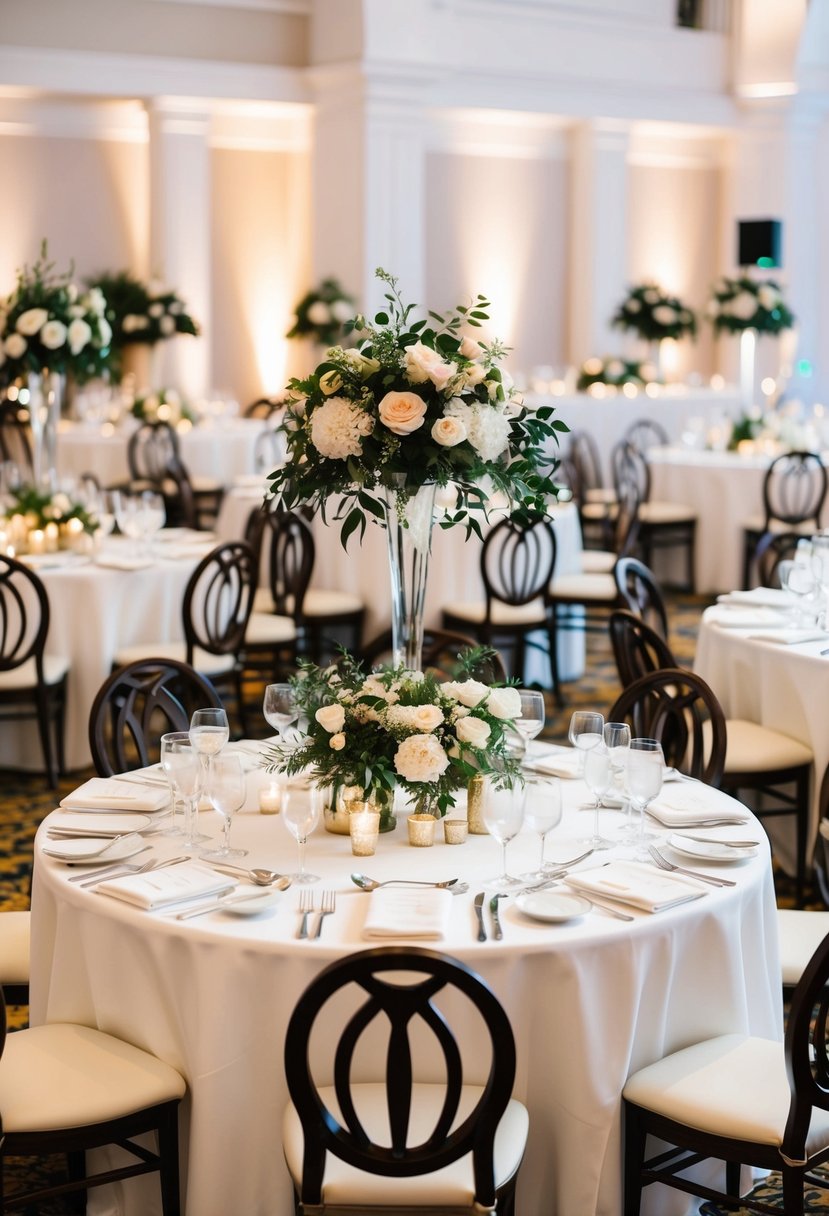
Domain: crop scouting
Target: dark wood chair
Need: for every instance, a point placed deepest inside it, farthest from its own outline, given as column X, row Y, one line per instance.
column 441, row 648
column 647, row 433
column 268, row 451
column 595, row 500
column 641, row 593
column 475, row 1137
column 794, row 493
column 663, row 525
column 16, row 438
column 67, row 1089
column 154, row 460
column 139, row 703
column 679, row 709
column 32, row 682
column 801, row 931
column 517, row 564
column 771, row 549
column 740, row 1100
column 637, row 648
column 263, row 407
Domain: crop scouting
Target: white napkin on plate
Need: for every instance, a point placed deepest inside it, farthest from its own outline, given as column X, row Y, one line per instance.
column 628, row 882
column 565, row 764
column 98, row 823
column 688, row 803
column 174, row 885
column 109, row 794
column 759, row 597
column 95, row 848
column 742, row 617
column 791, row 637
column 116, row 561
column 408, row 912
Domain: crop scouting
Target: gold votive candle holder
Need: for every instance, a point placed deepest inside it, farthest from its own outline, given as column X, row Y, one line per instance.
column 422, row 830
column 270, row 798
column 364, row 828
column 475, row 793
column 455, row 831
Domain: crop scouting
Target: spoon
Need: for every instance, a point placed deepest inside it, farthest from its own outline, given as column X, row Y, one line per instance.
column 371, row 884
column 262, row 878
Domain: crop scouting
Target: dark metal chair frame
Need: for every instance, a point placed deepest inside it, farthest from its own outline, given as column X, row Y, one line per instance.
column 646, row 433
column 628, row 460
column 154, row 460
column 794, row 492
column 402, row 1005
column 16, row 439
column 773, row 548
column 641, row 593
column 637, row 648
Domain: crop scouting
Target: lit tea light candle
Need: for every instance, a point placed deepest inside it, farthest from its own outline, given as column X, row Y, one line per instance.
column 52, row 534
column 270, row 799
column 37, row 541
column 364, row 828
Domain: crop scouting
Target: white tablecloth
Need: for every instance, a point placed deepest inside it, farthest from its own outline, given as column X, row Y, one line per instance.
column 589, row 1002
column 95, row 611
column 220, row 452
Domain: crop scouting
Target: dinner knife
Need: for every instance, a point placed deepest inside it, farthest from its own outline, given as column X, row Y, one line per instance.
column 497, row 931
column 479, row 912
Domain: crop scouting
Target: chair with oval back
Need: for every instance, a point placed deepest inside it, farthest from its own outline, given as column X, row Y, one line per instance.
column 641, row 593
column 440, row 655
column 16, row 439
column 794, row 493
column 596, row 501
column 646, row 433
column 663, row 525
column 263, row 407
column 637, row 648
column 772, row 549
column 154, row 460
column 268, row 451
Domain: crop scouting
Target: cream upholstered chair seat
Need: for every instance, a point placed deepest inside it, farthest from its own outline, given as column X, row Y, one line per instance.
column 501, row 614
column 733, row 1086
column 583, row 587
column 14, row 948
column 800, row 935
column 451, row 1186
column 25, row 676
column 752, row 747
column 269, row 629
column 597, row 561
column 655, row 511
column 203, row 661
column 317, row 602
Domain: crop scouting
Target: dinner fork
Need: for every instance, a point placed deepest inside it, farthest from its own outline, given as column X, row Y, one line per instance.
column 306, row 907
column 328, row 903
column 664, row 864
column 154, row 863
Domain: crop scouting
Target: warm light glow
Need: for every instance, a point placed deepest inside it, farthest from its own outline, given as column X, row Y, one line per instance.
column 630, row 389
column 767, row 385
column 717, row 382
column 652, row 390
column 669, row 358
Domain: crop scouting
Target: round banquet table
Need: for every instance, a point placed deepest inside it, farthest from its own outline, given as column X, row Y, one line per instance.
column 589, row 1001
column 219, row 451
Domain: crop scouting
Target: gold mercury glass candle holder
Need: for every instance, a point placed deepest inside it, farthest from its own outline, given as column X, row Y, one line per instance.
column 364, row 828
column 422, row 830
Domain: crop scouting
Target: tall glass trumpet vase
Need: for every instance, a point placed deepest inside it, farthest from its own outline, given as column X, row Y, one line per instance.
column 45, row 397
column 748, row 356
column 409, row 521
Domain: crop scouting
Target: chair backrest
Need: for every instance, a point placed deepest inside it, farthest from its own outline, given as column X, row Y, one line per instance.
column 291, row 553
column 139, row 703
column 646, row 433
column 262, row 407
column 794, row 489
column 179, row 496
column 24, row 616
column 268, row 451
column 15, row 439
column 151, row 450
column 629, row 467
column 806, row 1052
column 441, row 648
column 641, row 593
column 583, row 455
column 637, row 648
column 772, row 549
column 679, row 709
column 406, row 1010
column 517, row 562
column 218, row 600
column 628, row 483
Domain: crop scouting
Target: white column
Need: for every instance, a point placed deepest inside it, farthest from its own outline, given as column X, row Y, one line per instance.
column 180, row 239
column 598, row 242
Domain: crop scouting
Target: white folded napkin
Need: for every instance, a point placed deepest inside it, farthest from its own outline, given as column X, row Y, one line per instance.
column 95, row 848
column 565, row 764
column 181, row 551
column 117, row 561
column 790, row 637
column 408, row 912
column 173, row 885
column 111, row 794
column 759, row 597
column 741, row 617
column 98, row 823
column 628, row 882
column 687, row 803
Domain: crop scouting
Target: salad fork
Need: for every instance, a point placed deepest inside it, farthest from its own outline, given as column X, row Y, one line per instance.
column 664, row 864
column 306, row 907
column 328, row 905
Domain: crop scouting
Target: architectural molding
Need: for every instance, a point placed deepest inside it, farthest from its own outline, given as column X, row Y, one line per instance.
column 506, row 135
column 288, row 8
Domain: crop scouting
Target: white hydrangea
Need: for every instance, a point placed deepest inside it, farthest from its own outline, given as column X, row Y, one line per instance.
column 421, row 758
column 487, row 427
column 743, row 306
column 664, row 314
column 338, row 427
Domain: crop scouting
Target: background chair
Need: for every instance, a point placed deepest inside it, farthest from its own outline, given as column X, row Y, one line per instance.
column 263, row 407
column 15, row 929
column 139, row 703
column 336, row 1139
column 801, row 932
column 439, row 655
column 737, row 1099
column 647, row 433
column 268, row 451
column 794, row 493
column 595, row 500
column 67, row 1088
column 641, row 593
column 771, row 550
column 154, row 459
column 679, row 709
column 637, row 648
column 662, row 525
column 32, row 683
column 16, row 439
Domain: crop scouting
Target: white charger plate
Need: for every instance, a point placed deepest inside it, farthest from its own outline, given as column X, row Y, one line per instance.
column 249, row 904
column 85, row 851
column 553, row 907
column 702, row 850
column 112, row 823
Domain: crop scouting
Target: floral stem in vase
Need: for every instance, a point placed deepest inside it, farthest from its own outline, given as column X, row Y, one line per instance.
column 409, row 520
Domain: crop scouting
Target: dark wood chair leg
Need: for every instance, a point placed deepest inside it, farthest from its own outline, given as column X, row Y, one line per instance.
column 76, row 1168
column 792, row 1191
column 732, row 1178
column 634, row 1137
column 169, row 1171
column 802, row 793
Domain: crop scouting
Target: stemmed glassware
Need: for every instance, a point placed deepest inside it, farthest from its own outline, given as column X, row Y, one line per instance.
column 585, row 731
column 645, row 774
column 503, row 815
column 153, row 516
column 542, row 813
column 802, row 583
column 279, row 707
column 616, row 737
column 227, row 796
column 128, row 517
column 598, row 777
column 182, row 767
column 300, row 816
column 530, row 721
column 209, row 732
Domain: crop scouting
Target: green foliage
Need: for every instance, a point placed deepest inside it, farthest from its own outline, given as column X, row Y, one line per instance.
column 323, row 314
column 653, row 315
column 42, row 508
column 745, row 303
column 615, row 372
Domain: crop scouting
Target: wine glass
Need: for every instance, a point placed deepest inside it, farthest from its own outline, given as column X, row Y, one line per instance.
column 531, row 718
column 503, row 816
column 153, row 516
column 542, row 813
column 227, row 796
column 279, row 706
column 128, row 518
column 645, row 774
column 585, row 731
column 802, row 584
column 598, row 777
column 300, row 816
column 616, row 736
column 209, row 732
column 182, row 767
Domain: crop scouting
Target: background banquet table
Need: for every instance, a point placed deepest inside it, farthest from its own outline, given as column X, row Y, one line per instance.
column 589, row 1001
column 95, row 610
column 219, row 451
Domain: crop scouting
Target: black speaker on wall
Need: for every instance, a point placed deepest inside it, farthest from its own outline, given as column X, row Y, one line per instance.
column 760, row 243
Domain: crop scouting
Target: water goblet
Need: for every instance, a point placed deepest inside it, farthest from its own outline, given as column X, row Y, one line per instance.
column 128, row 518
column 802, row 584
column 227, row 796
column 182, row 767
column 530, row 721
column 300, row 816
column 279, row 707
column 585, row 732
column 645, row 774
column 503, row 815
column 153, row 516
column 616, row 737
column 542, row 813
column 209, row 732
column 598, row 777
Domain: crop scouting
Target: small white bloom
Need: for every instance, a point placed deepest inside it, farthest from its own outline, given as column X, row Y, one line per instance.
column 167, row 326
column 421, row 363
column 156, row 310
column 473, row 731
column 337, row 742
column 470, row 349
column 104, row 331
column 338, row 427
column 504, row 703
column 79, row 334
column 15, row 346
column 72, row 292
column 331, row 382
column 768, row 297
column 76, row 310
column 53, row 335
column 96, row 301
column 424, row 718
column 633, row 305
column 341, row 310
column 319, row 313
column 31, row 321
column 468, row 692
column 651, row 296
column 743, row 306
column 664, row 314
column 331, row 718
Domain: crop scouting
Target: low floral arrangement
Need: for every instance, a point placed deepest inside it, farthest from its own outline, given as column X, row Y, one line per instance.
column 416, row 402
column 142, row 312
column 163, row 405
column 48, row 325
column 654, row 315
column 40, row 508
column 745, row 303
column 782, row 429
column 615, row 372
column 401, row 729
column 321, row 314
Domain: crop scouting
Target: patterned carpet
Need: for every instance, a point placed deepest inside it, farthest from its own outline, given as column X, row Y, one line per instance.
column 25, row 801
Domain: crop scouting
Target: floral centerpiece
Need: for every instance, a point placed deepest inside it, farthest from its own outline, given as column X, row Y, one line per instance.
column 745, row 303
column 395, row 728
column 142, row 312
column 322, row 313
column 36, row 521
column 652, row 314
column 164, row 405
column 615, row 372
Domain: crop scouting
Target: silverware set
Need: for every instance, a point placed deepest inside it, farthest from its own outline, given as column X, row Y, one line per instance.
column 664, row 864
column 328, row 904
column 124, row 871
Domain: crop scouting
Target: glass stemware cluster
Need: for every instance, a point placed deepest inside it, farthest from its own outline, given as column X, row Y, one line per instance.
column 139, row 517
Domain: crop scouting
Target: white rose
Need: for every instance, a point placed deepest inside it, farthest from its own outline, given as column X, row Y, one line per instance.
column 76, row 310
column 468, row 692
column 341, row 310
column 31, row 321
column 473, row 375
column 504, row 703
column 72, row 291
column 337, row 742
column 79, row 334
column 104, row 331
column 743, row 306
column 421, row 758
column 53, row 334
column 156, row 310
column 615, row 367
column 15, row 346
column 423, row 718
column 448, row 432
column 473, row 731
column 167, row 326
column 650, row 296
column 664, row 314
column 768, row 297
column 421, row 363
column 633, row 305
column 470, row 349
column 402, row 413
column 331, row 718
column 96, row 300
column 331, row 382
column 319, row 313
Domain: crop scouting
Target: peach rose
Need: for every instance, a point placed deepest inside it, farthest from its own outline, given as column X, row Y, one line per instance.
column 421, row 363
column 448, row 432
column 402, row 413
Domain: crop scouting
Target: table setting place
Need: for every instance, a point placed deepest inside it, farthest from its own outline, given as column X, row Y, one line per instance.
column 792, row 614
